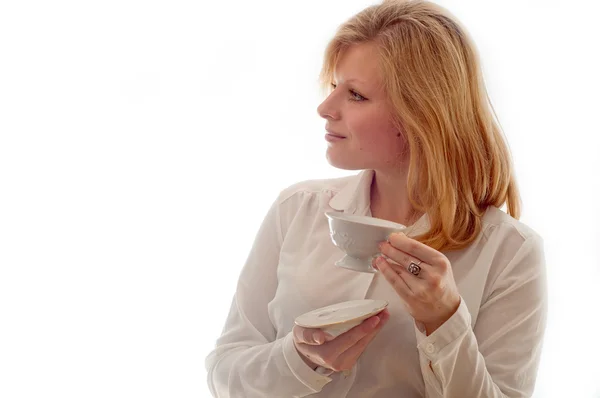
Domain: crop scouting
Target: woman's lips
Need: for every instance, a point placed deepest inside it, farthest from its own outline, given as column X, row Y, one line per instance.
column 333, row 137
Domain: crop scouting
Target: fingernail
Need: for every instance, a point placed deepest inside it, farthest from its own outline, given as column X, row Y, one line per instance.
column 319, row 339
column 375, row 321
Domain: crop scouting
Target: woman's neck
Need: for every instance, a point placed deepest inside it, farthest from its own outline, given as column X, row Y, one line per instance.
column 389, row 199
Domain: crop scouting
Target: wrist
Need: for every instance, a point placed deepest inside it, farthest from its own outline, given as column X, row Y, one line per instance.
column 432, row 325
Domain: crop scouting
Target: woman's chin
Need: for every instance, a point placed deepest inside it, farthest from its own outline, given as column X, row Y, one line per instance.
column 343, row 163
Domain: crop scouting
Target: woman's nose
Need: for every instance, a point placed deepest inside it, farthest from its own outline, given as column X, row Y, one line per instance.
column 327, row 111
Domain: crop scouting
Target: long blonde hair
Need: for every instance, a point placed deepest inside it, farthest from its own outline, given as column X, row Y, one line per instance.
column 459, row 160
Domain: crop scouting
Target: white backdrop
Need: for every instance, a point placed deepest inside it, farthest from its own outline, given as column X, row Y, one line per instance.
column 142, row 142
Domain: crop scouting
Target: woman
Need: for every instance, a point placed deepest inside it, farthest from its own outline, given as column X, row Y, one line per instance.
column 408, row 107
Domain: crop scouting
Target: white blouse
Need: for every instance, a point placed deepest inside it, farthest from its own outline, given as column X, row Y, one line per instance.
column 489, row 348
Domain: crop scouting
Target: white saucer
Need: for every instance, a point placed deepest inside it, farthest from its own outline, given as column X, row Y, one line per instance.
column 338, row 318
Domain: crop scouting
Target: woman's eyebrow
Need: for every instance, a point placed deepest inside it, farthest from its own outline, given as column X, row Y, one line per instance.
column 353, row 80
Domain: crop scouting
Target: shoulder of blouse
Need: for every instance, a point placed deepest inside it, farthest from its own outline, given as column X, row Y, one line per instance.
column 328, row 186
column 496, row 219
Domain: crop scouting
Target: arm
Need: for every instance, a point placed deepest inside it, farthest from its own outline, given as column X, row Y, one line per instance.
column 248, row 360
column 500, row 356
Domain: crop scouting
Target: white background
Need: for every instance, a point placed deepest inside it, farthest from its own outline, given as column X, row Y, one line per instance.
column 142, row 142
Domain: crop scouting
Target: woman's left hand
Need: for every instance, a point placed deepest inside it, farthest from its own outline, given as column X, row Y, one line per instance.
column 427, row 286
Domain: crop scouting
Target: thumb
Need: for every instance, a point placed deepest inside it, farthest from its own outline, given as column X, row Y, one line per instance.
column 322, row 337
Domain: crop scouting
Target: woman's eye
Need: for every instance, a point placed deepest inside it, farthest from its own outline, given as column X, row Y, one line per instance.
column 354, row 95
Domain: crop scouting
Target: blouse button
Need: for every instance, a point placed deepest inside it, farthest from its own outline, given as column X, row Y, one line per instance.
column 430, row 348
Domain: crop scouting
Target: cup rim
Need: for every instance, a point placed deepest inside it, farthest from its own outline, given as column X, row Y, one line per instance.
column 364, row 220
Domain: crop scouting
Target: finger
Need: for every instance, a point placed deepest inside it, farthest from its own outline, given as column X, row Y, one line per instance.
column 355, row 351
column 328, row 355
column 310, row 336
column 352, row 336
column 349, row 357
column 429, row 274
column 394, row 279
column 415, row 248
column 414, row 283
column 403, row 258
column 432, row 275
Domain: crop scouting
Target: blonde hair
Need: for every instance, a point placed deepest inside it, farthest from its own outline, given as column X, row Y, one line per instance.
column 459, row 161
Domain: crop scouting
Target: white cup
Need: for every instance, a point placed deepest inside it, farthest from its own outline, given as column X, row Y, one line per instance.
column 359, row 238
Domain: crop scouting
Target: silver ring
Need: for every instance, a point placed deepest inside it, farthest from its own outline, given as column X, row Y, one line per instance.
column 414, row 268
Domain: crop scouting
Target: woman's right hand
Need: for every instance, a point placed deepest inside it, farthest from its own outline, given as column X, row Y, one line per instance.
column 339, row 353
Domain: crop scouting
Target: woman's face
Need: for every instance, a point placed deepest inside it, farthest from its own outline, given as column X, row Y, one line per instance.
column 358, row 110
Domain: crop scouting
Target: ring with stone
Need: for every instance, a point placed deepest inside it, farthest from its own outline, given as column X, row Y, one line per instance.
column 414, row 268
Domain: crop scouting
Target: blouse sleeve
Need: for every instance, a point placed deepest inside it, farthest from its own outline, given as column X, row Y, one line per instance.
column 499, row 357
column 248, row 360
